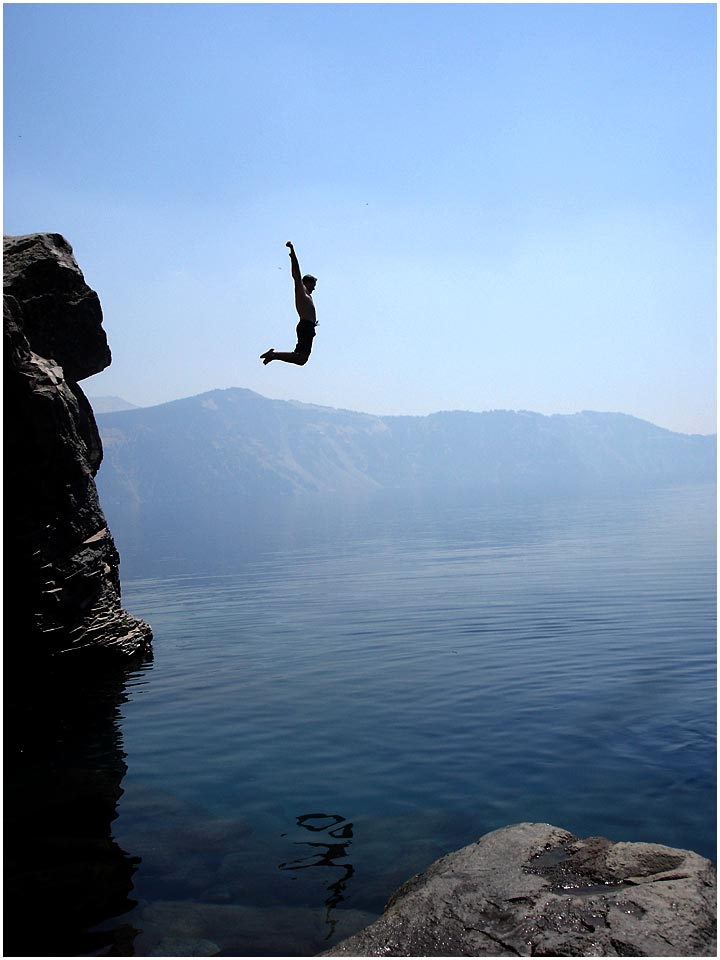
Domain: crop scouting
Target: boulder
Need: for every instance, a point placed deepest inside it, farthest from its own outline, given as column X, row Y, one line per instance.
column 62, row 584
column 533, row 889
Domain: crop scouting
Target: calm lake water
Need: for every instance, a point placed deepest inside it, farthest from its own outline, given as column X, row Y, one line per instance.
column 341, row 694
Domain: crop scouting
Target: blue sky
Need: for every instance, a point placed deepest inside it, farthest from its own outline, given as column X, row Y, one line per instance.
column 506, row 205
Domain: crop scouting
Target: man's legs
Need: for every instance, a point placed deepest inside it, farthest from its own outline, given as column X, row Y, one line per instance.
column 299, row 358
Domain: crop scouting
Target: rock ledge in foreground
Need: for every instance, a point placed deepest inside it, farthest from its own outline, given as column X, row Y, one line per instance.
column 536, row 890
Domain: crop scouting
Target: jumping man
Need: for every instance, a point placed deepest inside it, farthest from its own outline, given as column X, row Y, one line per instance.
column 305, row 307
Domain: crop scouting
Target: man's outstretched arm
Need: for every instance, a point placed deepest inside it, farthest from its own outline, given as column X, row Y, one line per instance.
column 303, row 301
column 294, row 265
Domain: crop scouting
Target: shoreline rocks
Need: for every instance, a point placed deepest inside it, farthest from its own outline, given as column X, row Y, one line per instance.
column 533, row 889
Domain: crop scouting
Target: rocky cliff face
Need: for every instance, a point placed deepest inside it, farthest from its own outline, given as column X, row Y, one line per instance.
column 62, row 586
column 69, row 644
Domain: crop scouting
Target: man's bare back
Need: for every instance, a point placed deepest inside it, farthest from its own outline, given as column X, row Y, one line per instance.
column 305, row 307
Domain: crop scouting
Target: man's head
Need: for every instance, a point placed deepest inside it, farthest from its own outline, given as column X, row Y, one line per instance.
column 309, row 282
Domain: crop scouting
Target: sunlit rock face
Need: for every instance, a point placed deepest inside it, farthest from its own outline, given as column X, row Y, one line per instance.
column 62, row 585
column 532, row 889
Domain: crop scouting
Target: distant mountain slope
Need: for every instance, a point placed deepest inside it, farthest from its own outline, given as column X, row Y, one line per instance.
column 110, row 404
column 234, row 444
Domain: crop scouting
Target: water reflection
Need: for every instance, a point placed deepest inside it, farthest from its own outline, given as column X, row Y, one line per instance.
column 326, row 854
column 64, row 765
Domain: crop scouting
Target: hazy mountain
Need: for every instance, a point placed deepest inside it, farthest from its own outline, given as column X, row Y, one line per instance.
column 110, row 404
column 237, row 445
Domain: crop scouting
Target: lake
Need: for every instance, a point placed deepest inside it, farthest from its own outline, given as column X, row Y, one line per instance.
column 343, row 692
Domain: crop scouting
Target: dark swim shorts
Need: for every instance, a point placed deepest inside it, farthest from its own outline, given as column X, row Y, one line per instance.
column 305, row 331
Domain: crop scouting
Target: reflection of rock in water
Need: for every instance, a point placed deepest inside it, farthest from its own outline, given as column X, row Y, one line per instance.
column 64, row 764
column 326, row 855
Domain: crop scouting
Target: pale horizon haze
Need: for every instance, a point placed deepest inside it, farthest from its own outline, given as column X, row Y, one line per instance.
column 507, row 206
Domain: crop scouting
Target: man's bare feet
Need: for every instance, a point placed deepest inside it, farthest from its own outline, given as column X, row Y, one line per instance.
column 267, row 356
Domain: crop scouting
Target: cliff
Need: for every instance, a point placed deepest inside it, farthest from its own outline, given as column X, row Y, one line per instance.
column 62, row 585
column 69, row 644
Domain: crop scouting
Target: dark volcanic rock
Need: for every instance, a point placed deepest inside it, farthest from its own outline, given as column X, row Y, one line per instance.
column 536, row 890
column 62, row 586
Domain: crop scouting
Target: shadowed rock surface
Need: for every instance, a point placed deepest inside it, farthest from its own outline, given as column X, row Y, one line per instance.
column 62, row 585
column 533, row 889
column 61, row 315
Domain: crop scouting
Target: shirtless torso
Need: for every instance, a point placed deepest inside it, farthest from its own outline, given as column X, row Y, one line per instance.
column 304, row 302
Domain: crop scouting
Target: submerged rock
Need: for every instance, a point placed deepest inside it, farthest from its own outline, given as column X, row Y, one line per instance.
column 536, row 890
column 233, row 930
column 62, row 585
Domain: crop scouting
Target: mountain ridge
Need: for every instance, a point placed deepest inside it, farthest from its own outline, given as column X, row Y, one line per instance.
column 110, row 404
column 389, row 416
column 235, row 444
